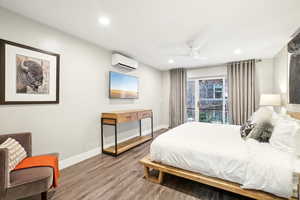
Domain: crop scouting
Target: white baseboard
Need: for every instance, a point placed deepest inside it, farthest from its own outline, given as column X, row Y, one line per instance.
column 163, row 126
column 78, row 158
column 86, row 155
column 146, row 132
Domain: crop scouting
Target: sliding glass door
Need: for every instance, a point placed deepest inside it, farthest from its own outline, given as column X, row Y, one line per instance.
column 207, row 100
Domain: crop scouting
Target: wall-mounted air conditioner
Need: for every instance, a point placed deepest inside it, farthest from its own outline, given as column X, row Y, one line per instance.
column 124, row 62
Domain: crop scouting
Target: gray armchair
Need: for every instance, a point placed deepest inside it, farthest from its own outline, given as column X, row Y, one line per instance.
column 25, row 182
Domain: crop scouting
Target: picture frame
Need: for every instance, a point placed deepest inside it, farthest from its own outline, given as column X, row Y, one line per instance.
column 28, row 75
column 293, row 48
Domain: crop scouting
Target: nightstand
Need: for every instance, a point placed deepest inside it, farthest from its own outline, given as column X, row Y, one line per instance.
column 297, row 174
column 298, row 185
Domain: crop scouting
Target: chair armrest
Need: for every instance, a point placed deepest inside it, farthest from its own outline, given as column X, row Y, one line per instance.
column 4, row 173
column 51, row 154
column 25, row 139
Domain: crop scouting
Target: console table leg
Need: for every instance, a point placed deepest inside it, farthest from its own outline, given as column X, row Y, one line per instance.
column 152, row 125
column 116, row 139
column 102, row 134
column 140, row 127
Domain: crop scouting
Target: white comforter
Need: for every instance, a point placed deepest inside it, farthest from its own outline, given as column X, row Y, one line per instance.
column 217, row 150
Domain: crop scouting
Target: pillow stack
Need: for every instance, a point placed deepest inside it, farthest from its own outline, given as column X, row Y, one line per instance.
column 16, row 152
column 267, row 126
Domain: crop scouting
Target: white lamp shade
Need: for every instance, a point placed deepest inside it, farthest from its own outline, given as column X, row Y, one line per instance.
column 270, row 100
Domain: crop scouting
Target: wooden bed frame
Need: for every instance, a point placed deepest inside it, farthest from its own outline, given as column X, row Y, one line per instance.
column 214, row 182
column 295, row 115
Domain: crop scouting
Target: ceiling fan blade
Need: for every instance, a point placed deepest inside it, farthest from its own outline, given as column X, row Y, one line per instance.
column 191, row 48
column 200, row 39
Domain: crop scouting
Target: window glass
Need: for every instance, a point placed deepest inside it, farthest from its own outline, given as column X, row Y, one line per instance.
column 207, row 100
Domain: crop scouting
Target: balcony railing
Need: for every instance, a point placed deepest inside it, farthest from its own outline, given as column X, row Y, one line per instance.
column 210, row 115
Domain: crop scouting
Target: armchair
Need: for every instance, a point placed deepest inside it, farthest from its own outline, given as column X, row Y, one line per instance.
column 25, row 182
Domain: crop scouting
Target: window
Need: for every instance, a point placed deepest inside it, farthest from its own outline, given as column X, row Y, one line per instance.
column 207, row 100
column 191, row 100
column 218, row 92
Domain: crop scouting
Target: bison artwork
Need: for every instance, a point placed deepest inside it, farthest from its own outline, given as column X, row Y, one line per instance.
column 32, row 75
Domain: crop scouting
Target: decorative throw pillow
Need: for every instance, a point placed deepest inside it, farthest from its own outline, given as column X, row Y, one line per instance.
column 262, row 132
column 246, row 129
column 16, row 152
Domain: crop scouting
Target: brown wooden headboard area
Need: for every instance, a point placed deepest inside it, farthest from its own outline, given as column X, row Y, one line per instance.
column 295, row 115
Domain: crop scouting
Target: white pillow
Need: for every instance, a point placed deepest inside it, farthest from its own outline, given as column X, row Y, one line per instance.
column 16, row 152
column 263, row 114
column 283, row 134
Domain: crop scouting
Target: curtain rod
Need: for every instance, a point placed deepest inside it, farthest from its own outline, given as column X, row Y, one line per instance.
column 222, row 64
column 256, row 61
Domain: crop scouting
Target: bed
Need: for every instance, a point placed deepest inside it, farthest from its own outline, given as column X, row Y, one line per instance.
column 216, row 155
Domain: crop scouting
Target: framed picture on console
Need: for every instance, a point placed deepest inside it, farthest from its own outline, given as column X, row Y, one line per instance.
column 28, row 75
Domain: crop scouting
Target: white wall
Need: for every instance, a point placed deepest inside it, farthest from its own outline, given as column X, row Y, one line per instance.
column 73, row 126
column 281, row 74
column 264, row 78
column 281, row 78
column 210, row 71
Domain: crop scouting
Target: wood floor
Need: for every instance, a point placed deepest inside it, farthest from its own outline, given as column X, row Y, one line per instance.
column 107, row 178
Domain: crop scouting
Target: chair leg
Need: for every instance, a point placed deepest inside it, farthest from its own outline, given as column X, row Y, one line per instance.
column 44, row 195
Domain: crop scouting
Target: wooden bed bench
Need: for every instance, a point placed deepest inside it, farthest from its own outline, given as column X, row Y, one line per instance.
column 214, row 182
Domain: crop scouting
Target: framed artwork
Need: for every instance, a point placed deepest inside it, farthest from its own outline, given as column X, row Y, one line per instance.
column 28, row 75
column 294, row 70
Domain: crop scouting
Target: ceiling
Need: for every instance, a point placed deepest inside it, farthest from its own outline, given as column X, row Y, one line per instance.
column 153, row 31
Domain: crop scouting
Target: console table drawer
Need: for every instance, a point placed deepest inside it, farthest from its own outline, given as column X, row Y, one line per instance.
column 144, row 114
column 127, row 117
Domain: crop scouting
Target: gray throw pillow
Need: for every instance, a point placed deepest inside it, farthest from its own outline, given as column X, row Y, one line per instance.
column 246, row 129
column 262, row 132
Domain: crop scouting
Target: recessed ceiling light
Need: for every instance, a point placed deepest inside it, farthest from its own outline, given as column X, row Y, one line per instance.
column 105, row 21
column 237, row 51
column 170, row 61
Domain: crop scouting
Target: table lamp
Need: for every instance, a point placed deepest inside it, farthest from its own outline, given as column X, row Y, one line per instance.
column 270, row 100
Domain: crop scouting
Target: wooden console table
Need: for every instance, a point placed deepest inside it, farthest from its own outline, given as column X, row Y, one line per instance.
column 118, row 117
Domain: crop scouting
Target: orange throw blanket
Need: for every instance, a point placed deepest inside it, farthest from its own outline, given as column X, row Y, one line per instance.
column 42, row 161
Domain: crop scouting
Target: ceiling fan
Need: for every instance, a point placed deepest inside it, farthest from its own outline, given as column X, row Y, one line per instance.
column 191, row 49
column 188, row 50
